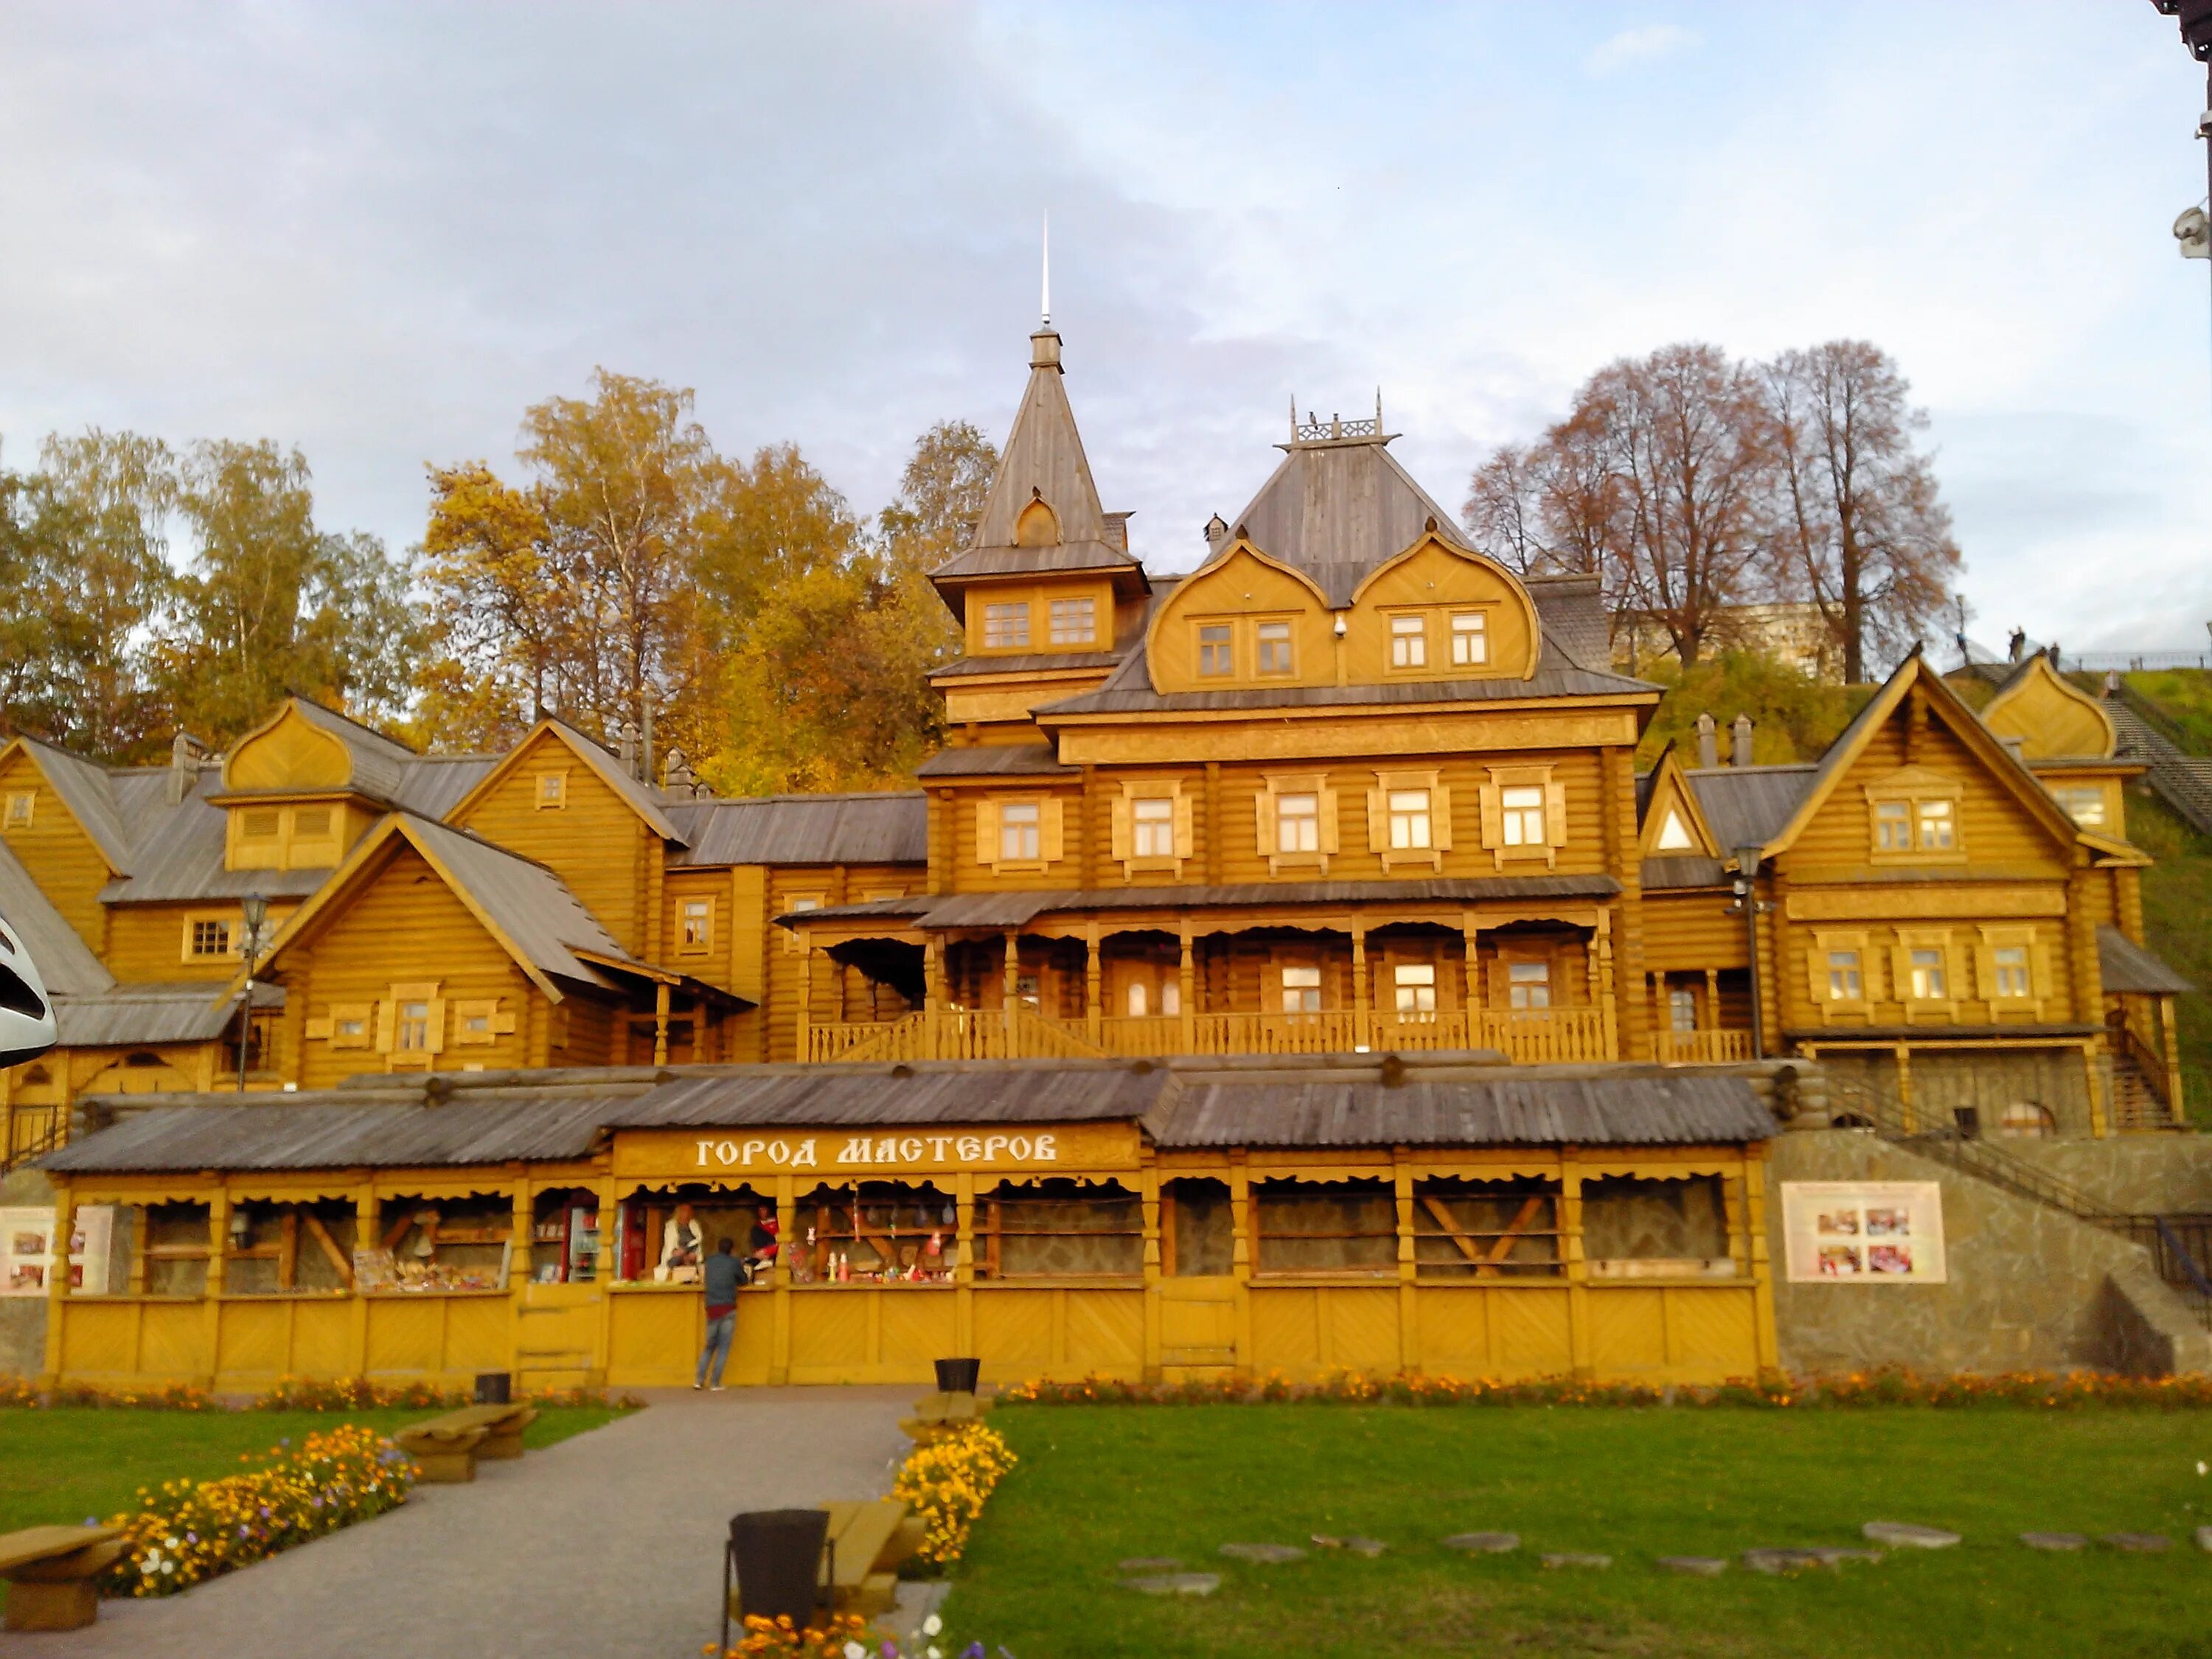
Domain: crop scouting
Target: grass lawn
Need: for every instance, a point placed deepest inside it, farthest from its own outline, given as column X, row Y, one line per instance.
column 64, row 1465
column 2177, row 895
column 1097, row 1484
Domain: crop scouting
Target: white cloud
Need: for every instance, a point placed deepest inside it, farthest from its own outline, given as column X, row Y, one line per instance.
column 1645, row 44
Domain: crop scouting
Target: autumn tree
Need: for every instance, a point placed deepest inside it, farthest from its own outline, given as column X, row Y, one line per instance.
column 499, row 614
column 1866, row 535
column 271, row 604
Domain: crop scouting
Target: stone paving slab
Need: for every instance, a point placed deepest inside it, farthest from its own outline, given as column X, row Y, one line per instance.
column 608, row 1543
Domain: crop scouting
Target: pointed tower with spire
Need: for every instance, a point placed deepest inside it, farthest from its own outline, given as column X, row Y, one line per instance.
column 1048, row 588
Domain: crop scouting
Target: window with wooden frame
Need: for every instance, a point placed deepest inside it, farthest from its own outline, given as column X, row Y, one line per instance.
column 22, row 805
column 1675, row 835
column 1470, row 639
column 798, row 904
column 1297, row 821
column 1301, row 988
column 1528, row 983
column 552, row 791
column 2084, row 803
column 1840, row 968
column 1020, row 832
column 348, row 1025
column 209, row 939
column 1524, row 815
column 411, row 1025
column 1922, row 968
column 1074, row 621
column 1409, row 819
column 1058, row 1228
column 2010, row 973
column 1507, row 1229
column 694, row 926
column 875, row 1232
column 480, row 1022
column 1217, row 650
column 1914, row 816
column 1152, row 826
column 1640, row 1227
column 1682, row 1010
column 1409, row 640
column 1006, row 625
column 1413, row 992
column 1335, row 1229
column 1271, row 648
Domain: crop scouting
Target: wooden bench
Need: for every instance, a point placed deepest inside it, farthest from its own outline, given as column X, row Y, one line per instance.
column 936, row 1415
column 867, row 1540
column 50, row 1571
column 447, row 1448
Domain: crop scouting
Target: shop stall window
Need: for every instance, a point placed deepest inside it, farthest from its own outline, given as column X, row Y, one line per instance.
column 175, row 1249
column 1198, row 1227
column 875, row 1232
column 1486, row 1229
column 645, row 1237
column 566, row 1243
column 1637, row 1228
column 1348, row 1228
column 1058, row 1228
column 278, row 1248
column 440, row 1244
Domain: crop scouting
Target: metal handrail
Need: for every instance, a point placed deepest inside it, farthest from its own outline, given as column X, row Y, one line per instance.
column 1888, row 1117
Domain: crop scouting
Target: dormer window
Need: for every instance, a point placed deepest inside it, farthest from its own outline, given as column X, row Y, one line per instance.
column 260, row 824
column 1470, row 639
column 2084, row 804
column 1409, row 641
column 1217, row 650
column 552, row 790
column 1274, row 647
column 1006, row 627
column 1075, row 622
column 21, row 804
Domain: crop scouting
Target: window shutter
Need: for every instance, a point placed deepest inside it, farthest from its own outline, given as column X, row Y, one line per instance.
column 1326, row 802
column 1555, row 814
column 1378, row 819
column 1440, row 817
column 1185, row 838
column 1263, row 816
column 502, row 1020
column 387, row 1021
column 986, row 832
column 434, row 1039
column 2041, row 983
column 1816, row 976
column 1901, row 970
column 1985, row 970
column 1493, row 815
column 1122, row 830
column 1050, row 820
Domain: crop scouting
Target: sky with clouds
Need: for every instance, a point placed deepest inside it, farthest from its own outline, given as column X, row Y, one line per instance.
column 381, row 232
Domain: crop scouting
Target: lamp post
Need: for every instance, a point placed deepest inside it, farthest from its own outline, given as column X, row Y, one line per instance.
column 1748, row 906
column 256, row 910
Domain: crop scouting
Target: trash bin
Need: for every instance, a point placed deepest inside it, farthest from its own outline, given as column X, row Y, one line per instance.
column 494, row 1388
column 959, row 1376
column 776, row 1555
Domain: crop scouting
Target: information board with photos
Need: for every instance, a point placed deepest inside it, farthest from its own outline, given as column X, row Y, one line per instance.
column 26, row 1249
column 1864, row 1232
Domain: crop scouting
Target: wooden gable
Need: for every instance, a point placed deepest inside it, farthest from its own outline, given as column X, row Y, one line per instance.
column 1674, row 823
column 288, row 752
column 1434, row 576
column 2050, row 717
column 45, row 836
column 1241, row 587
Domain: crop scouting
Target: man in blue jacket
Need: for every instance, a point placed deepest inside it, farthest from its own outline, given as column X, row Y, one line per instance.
column 720, row 1278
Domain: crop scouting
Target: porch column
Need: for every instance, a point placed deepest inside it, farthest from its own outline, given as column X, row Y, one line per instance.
column 1188, row 983
column 1471, row 987
column 1762, row 1266
column 2170, row 1045
column 1240, row 1255
column 1904, row 1058
column 802, row 1040
column 932, row 974
column 1409, row 1324
column 1713, row 998
column 219, row 1209
column 1007, row 980
column 1148, row 1195
column 526, row 1217
column 661, row 1024
column 1363, row 1008
column 57, row 1276
column 779, row 1278
column 366, row 1217
column 964, row 1262
column 1602, row 985
column 1093, row 1010
column 1571, row 1255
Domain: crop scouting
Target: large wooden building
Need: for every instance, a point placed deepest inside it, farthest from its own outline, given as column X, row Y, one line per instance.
column 1348, row 791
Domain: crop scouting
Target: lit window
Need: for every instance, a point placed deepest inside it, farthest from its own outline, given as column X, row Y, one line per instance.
column 698, row 923
column 1470, row 638
column 1171, row 998
column 1935, row 826
column 1409, row 820
column 1523, row 809
column 1409, row 642
column 210, row 939
column 1006, row 627
column 1416, row 986
column 19, row 808
column 1929, row 984
column 2011, row 963
column 1139, row 999
column 1217, row 658
column 1074, row 622
column 1682, row 1009
column 1153, row 821
column 2084, row 805
column 1274, row 647
column 1893, row 826
column 1301, row 990
column 1843, row 981
column 1529, row 984
column 1297, row 824
column 413, row 1034
column 1020, row 839
column 1675, row 835
column 552, row 789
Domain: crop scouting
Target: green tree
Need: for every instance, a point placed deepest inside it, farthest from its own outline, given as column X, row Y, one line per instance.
column 500, row 614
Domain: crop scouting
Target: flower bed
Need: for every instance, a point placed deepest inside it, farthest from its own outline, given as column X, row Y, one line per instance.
column 190, row 1531
column 1887, row 1386
column 946, row 1482
column 289, row 1393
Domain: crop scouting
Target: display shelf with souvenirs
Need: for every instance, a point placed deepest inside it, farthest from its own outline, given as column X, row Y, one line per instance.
column 446, row 1244
column 880, row 1232
column 1059, row 1229
column 654, row 1245
column 565, row 1246
column 285, row 1249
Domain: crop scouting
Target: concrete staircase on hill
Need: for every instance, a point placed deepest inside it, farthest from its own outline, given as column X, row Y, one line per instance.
column 2182, row 781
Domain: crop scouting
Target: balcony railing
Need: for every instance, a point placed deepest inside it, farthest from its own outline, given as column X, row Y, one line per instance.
column 1671, row 1048
column 1528, row 1036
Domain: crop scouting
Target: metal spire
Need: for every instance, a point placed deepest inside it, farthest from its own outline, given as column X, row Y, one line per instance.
column 1046, row 296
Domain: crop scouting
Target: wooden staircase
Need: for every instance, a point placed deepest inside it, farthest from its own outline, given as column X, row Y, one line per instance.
column 2139, row 1101
column 2181, row 780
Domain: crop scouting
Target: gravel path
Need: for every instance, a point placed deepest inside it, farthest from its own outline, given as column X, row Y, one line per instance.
column 602, row 1548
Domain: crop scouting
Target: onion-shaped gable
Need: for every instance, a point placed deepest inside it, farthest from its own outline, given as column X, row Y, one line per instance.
column 1241, row 619
column 1437, row 611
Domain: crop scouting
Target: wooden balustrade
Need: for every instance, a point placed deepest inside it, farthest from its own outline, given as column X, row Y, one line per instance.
column 1672, row 1048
